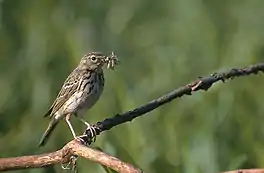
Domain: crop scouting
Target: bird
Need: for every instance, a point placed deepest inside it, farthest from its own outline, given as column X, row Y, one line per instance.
column 80, row 91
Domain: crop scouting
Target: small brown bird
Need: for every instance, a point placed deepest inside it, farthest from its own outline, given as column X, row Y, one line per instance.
column 80, row 91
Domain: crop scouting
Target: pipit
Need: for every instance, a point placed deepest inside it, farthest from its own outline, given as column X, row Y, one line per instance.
column 80, row 91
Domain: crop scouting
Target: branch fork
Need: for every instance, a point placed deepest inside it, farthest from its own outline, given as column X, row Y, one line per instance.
column 75, row 148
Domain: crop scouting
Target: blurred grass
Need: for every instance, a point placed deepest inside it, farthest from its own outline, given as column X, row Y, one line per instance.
column 161, row 45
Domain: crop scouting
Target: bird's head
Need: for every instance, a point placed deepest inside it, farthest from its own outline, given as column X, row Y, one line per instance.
column 96, row 60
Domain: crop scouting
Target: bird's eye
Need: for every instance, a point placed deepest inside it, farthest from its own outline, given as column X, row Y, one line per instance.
column 93, row 58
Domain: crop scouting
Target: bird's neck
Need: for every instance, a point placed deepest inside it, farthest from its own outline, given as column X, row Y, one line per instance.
column 85, row 69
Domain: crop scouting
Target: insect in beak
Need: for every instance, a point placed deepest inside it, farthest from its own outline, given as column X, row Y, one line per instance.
column 111, row 61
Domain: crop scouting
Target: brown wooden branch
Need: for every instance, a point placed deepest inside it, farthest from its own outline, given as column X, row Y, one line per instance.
column 73, row 148
column 246, row 171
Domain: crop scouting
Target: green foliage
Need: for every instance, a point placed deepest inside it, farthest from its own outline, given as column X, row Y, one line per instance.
column 161, row 45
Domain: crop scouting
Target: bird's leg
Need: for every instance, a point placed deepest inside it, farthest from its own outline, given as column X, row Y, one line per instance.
column 68, row 116
column 92, row 130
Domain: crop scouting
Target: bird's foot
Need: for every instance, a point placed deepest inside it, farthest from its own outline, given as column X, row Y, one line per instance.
column 71, row 164
column 89, row 128
column 92, row 131
column 79, row 139
column 67, row 167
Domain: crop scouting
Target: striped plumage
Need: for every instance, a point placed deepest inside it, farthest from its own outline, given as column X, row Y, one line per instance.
column 80, row 92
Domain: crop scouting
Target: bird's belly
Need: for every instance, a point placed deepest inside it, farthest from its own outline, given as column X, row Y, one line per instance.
column 89, row 100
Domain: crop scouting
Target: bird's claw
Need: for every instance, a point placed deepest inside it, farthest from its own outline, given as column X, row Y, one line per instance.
column 67, row 167
column 93, row 133
column 81, row 140
column 72, row 162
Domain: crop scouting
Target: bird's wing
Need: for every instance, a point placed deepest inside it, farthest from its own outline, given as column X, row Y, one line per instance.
column 69, row 87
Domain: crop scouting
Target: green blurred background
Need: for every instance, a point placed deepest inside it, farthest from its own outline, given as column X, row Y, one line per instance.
column 161, row 45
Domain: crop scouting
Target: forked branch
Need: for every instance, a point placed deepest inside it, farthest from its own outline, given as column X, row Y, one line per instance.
column 64, row 155
column 74, row 148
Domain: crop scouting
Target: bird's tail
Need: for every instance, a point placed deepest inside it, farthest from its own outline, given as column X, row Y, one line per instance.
column 53, row 123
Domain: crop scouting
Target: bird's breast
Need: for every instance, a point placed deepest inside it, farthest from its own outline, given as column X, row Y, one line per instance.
column 86, row 96
column 91, row 93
